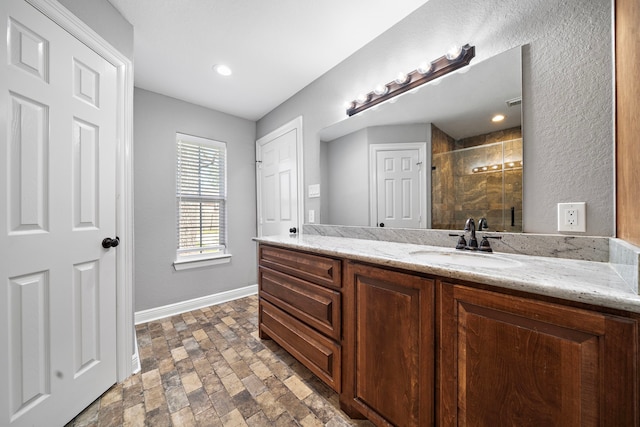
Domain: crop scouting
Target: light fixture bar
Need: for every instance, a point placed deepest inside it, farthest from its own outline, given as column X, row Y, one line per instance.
column 517, row 164
column 415, row 78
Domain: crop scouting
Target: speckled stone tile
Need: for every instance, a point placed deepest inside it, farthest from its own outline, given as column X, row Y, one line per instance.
column 208, row 368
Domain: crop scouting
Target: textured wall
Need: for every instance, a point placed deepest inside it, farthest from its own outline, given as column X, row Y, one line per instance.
column 567, row 91
column 105, row 20
column 157, row 119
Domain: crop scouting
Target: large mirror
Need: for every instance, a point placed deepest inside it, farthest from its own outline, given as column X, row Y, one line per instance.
column 432, row 157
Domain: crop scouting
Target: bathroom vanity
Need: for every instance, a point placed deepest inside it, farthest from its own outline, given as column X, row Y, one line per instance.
column 412, row 335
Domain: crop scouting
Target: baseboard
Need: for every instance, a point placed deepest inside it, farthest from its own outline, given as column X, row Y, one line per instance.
column 136, row 366
column 194, row 304
column 135, row 362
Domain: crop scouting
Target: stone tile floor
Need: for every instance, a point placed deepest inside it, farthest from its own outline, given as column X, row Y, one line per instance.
column 208, row 368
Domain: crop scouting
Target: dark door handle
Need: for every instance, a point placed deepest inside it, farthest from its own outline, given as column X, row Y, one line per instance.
column 110, row 243
column 293, row 230
column 382, row 224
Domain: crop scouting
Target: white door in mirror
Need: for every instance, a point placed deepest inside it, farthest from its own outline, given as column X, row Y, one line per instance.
column 398, row 188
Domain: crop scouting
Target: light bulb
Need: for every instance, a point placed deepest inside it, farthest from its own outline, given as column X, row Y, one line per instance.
column 381, row 90
column 425, row 67
column 362, row 98
column 402, row 78
column 454, row 53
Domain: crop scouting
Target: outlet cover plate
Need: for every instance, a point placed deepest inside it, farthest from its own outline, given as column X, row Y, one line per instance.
column 572, row 217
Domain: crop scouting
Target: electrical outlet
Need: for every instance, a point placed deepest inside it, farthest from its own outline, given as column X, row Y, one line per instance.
column 312, row 216
column 572, row 217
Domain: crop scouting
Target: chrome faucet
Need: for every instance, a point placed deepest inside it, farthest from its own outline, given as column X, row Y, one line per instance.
column 482, row 224
column 470, row 225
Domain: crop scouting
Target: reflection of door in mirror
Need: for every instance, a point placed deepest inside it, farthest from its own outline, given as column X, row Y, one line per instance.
column 398, row 186
column 479, row 177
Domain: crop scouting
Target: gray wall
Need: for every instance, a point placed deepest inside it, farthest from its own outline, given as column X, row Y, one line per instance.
column 105, row 20
column 347, row 169
column 567, row 91
column 157, row 119
column 347, row 188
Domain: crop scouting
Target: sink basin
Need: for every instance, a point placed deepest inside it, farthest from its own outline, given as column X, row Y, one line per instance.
column 467, row 259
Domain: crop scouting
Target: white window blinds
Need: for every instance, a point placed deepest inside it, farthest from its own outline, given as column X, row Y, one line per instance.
column 201, row 196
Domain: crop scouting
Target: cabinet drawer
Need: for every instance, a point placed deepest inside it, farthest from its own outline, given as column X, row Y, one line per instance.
column 315, row 305
column 314, row 268
column 315, row 351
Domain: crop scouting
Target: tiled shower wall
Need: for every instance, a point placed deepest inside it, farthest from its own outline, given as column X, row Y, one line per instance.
column 459, row 193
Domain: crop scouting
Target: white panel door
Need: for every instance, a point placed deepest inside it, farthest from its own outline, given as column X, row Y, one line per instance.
column 57, row 203
column 277, row 176
column 398, row 188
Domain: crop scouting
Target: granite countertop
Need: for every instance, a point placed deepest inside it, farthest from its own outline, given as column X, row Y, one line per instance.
column 588, row 282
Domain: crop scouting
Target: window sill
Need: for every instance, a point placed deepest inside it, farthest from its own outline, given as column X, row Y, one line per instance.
column 187, row 264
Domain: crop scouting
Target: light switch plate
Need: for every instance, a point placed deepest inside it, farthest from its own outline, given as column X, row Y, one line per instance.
column 312, row 216
column 572, row 217
column 314, row 191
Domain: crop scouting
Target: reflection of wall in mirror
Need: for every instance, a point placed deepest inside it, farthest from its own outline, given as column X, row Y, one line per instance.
column 346, row 170
column 347, row 195
column 479, row 176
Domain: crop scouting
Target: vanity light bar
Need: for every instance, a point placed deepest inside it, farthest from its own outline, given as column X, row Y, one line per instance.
column 498, row 167
column 404, row 82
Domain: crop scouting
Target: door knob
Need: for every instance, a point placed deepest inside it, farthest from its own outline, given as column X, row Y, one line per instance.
column 382, row 224
column 110, row 243
column 293, row 230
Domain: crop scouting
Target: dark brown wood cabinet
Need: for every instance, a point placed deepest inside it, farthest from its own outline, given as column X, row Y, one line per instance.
column 410, row 349
column 300, row 308
column 507, row 360
column 388, row 346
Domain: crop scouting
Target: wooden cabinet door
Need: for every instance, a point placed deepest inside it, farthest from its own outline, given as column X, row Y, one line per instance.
column 388, row 357
column 510, row 361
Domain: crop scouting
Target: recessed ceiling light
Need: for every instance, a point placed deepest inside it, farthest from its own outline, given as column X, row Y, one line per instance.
column 497, row 118
column 222, row 69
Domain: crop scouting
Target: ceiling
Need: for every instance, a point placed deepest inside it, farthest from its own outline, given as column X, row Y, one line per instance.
column 274, row 47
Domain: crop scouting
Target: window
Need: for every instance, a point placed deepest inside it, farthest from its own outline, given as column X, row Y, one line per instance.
column 201, row 198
